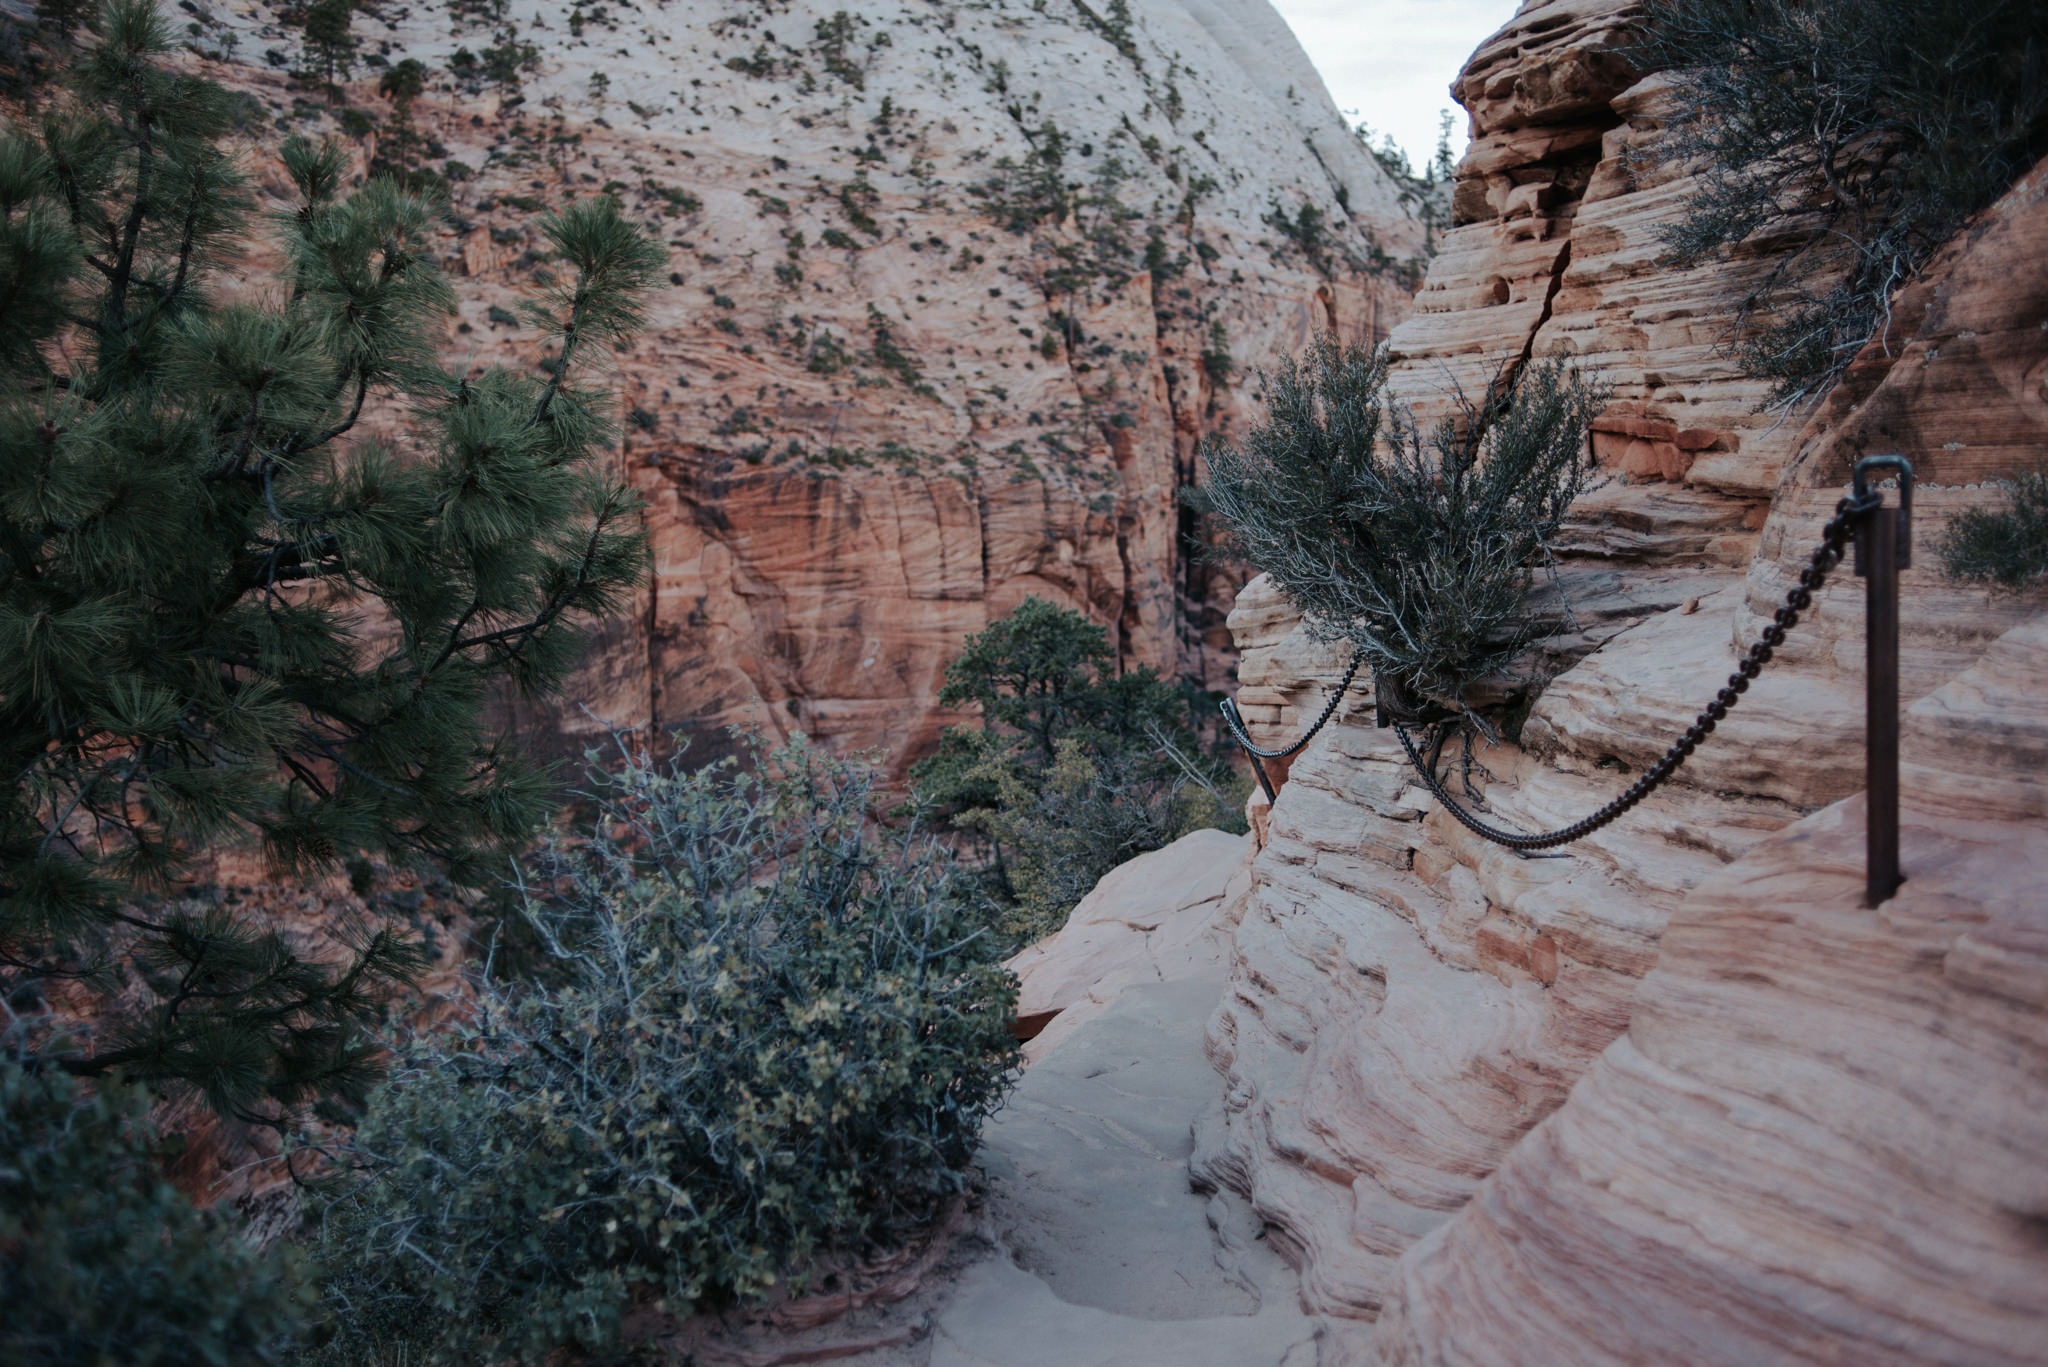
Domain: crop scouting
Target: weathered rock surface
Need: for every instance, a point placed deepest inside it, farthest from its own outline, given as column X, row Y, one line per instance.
column 1107, row 1255
column 1763, row 1156
column 958, row 291
column 1163, row 916
column 1819, row 1139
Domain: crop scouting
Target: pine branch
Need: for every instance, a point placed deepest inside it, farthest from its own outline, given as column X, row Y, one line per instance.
column 131, row 230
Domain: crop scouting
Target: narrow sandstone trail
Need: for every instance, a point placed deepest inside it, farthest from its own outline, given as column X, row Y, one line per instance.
column 1089, row 1246
column 1102, row 1253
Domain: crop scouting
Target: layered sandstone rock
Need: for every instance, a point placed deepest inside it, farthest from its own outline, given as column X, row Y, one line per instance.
column 958, row 290
column 1409, row 1003
column 1819, row 1139
column 1150, row 920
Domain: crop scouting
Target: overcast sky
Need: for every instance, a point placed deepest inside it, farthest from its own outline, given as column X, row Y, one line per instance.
column 1390, row 62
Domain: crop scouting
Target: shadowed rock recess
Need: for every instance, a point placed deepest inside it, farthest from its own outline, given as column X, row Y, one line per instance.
column 1678, row 1097
column 959, row 288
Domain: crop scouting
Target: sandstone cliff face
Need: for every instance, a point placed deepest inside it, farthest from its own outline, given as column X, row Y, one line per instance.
column 1818, row 1140
column 959, row 288
column 1673, row 1097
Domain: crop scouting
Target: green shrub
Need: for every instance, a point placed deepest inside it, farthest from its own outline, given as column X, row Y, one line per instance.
column 762, row 1027
column 1306, row 230
column 1420, row 551
column 2007, row 546
column 1063, row 828
column 206, row 494
column 1074, row 769
column 1853, row 136
column 103, row 1261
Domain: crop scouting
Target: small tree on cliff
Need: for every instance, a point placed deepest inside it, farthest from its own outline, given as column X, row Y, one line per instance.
column 402, row 145
column 330, row 39
column 225, row 609
column 1075, row 767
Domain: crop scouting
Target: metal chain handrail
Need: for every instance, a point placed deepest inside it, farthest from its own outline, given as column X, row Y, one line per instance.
column 1235, row 722
column 1829, row 554
column 1834, row 537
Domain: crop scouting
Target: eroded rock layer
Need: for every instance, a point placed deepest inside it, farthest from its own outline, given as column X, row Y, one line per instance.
column 1671, row 1097
column 1818, row 1140
column 957, row 291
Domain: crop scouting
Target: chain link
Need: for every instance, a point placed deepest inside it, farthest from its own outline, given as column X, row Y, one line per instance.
column 1235, row 722
column 1834, row 538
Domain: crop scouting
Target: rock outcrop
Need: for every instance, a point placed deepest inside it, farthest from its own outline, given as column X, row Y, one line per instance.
column 1818, row 1139
column 1672, row 1097
column 957, row 291
column 1153, row 919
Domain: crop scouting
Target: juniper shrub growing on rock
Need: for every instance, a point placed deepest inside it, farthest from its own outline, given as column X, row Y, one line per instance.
column 1418, row 549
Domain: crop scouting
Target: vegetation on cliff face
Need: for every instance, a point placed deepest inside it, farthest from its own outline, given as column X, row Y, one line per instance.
column 1418, row 549
column 226, row 611
column 1850, row 139
column 1425, row 192
column 760, row 1027
column 1074, row 768
column 2005, row 546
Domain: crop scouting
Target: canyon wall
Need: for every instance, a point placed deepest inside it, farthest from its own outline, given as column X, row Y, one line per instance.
column 957, row 291
column 1673, row 1094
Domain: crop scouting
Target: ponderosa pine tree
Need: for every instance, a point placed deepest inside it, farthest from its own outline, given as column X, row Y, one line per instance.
column 226, row 609
column 400, row 148
column 1076, row 766
column 330, row 38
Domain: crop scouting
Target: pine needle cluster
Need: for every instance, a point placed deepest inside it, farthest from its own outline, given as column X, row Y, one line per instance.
column 226, row 611
column 1419, row 550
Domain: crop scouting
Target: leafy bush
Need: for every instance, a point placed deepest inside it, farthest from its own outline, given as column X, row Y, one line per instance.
column 762, row 1027
column 1418, row 551
column 1860, row 132
column 1074, row 768
column 2006, row 546
column 102, row 1261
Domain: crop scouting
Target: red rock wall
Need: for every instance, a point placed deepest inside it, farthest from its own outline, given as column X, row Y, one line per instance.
column 1494, row 1099
column 825, row 534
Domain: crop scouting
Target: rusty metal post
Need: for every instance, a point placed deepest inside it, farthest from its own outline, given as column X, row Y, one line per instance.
column 1884, row 546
